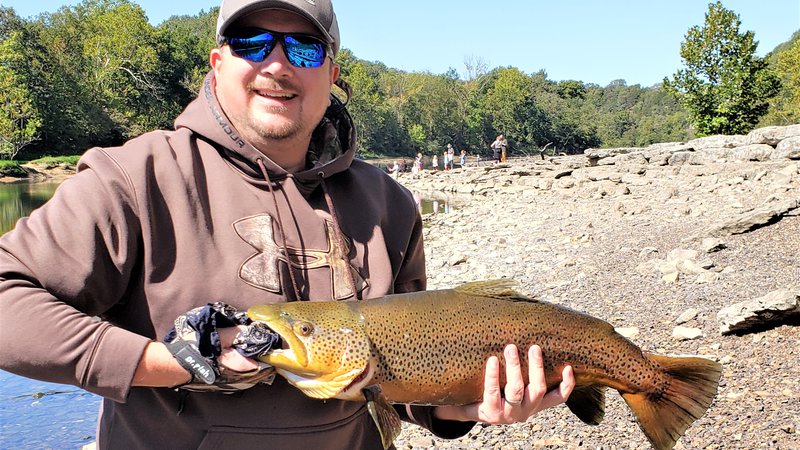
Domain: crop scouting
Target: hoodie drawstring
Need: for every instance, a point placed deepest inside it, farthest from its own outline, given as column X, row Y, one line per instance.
column 280, row 227
column 338, row 237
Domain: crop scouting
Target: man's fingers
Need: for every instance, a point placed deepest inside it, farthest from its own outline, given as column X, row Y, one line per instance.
column 515, row 384
column 491, row 383
column 561, row 393
column 536, row 380
column 230, row 358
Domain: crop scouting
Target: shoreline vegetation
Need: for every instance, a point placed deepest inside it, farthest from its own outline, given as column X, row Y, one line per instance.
column 42, row 169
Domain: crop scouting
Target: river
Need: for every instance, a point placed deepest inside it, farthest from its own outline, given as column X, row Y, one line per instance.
column 36, row 414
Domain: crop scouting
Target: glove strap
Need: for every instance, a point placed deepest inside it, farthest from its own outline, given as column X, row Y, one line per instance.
column 190, row 358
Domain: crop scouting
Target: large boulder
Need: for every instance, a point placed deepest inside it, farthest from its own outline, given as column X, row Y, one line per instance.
column 719, row 141
column 787, row 148
column 772, row 135
column 773, row 309
column 752, row 152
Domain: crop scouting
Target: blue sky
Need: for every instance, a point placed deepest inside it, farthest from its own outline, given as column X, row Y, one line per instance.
column 591, row 41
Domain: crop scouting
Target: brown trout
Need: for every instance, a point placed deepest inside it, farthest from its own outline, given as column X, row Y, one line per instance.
column 431, row 348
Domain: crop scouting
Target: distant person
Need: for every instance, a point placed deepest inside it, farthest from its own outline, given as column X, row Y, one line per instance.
column 451, row 156
column 416, row 169
column 435, row 162
column 394, row 169
column 496, row 148
column 463, row 160
column 503, row 148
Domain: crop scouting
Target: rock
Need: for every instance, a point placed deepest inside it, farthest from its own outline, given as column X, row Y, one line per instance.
column 718, row 141
column 787, row 174
column 772, row 135
column 753, row 152
column 681, row 253
column 687, row 315
column 711, row 245
column 788, row 148
column 457, row 259
column 707, row 277
column 774, row 308
column 648, row 251
column 755, row 218
column 680, row 158
column 628, row 332
column 421, row 442
column 686, row 334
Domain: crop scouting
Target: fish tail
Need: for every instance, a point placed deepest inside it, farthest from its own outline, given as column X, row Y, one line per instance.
column 664, row 417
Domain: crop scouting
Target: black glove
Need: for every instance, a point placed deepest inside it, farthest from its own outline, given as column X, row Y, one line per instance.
column 194, row 341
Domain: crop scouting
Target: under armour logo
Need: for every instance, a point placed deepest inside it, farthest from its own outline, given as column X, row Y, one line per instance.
column 261, row 270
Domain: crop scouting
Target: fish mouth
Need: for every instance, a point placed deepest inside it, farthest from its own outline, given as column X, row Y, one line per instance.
column 353, row 390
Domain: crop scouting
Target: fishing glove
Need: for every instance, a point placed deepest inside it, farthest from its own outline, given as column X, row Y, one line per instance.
column 194, row 342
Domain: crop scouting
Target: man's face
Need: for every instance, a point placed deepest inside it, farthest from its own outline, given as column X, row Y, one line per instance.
column 272, row 100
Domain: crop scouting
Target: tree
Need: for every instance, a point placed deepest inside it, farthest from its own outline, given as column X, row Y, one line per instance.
column 19, row 119
column 785, row 107
column 725, row 86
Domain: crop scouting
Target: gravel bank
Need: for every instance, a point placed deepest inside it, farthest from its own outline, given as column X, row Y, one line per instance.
column 590, row 238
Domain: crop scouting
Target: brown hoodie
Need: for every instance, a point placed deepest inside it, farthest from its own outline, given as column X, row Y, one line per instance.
column 175, row 219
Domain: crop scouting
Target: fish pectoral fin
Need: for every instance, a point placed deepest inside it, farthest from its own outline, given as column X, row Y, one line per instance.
column 383, row 414
column 588, row 403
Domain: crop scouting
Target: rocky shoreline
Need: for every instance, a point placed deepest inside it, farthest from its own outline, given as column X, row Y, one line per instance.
column 659, row 246
column 658, row 241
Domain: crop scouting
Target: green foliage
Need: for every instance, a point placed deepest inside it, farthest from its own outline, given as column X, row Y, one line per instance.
column 725, row 86
column 97, row 73
column 785, row 107
column 49, row 162
column 19, row 118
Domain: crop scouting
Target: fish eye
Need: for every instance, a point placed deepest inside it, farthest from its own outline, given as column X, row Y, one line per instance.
column 303, row 328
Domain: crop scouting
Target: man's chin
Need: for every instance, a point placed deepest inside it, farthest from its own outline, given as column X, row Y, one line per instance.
column 277, row 128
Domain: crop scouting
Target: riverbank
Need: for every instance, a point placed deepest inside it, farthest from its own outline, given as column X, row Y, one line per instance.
column 37, row 172
column 623, row 234
column 630, row 241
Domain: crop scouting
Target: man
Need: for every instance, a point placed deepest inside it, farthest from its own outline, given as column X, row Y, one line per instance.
column 254, row 198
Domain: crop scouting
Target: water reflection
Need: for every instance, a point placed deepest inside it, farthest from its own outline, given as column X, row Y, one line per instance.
column 433, row 202
column 19, row 199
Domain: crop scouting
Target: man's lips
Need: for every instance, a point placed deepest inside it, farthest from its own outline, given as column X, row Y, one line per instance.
column 275, row 95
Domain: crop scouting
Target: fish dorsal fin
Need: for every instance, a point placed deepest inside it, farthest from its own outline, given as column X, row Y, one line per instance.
column 500, row 288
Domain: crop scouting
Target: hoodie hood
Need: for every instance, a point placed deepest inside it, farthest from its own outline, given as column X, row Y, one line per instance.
column 331, row 151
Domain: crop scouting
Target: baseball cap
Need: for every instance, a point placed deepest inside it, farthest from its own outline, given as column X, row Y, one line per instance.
column 318, row 12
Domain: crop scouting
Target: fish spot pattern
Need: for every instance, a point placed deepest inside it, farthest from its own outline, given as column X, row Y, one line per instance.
column 435, row 344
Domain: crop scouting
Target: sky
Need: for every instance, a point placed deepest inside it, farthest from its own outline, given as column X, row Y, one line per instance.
column 590, row 41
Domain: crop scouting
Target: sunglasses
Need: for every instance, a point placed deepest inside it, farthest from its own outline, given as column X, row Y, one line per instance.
column 301, row 50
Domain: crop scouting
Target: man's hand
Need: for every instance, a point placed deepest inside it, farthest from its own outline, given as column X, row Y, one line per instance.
column 230, row 358
column 215, row 343
column 515, row 402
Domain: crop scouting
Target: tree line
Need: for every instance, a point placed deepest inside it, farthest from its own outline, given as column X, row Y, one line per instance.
column 98, row 73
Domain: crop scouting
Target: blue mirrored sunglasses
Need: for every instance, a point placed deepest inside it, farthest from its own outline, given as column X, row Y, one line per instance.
column 301, row 50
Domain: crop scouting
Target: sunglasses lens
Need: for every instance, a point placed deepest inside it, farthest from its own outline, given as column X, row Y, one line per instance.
column 254, row 48
column 304, row 51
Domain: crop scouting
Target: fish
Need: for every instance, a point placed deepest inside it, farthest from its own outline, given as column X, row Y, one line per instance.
column 430, row 348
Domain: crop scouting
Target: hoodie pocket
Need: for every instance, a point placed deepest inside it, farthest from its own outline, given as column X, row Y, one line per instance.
column 355, row 432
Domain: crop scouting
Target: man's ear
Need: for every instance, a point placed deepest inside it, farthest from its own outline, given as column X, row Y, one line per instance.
column 214, row 59
column 334, row 72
